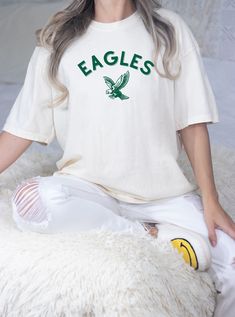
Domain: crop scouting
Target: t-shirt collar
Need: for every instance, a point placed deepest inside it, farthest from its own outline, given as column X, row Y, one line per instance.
column 120, row 24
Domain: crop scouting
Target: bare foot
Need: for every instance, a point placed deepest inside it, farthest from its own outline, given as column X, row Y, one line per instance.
column 151, row 229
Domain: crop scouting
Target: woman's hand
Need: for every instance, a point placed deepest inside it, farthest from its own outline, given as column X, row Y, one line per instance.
column 216, row 218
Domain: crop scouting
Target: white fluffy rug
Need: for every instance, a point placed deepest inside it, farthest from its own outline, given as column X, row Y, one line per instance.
column 99, row 273
column 105, row 273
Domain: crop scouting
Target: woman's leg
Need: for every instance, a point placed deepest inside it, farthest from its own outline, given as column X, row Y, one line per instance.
column 187, row 211
column 56, row 203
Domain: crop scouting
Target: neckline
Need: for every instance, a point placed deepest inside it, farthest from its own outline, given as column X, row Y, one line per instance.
column 120, row 24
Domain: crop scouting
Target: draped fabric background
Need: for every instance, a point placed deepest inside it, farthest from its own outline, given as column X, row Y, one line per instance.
column 227, row 35
column 18, row 22
column 204, row 19
column 212, row 22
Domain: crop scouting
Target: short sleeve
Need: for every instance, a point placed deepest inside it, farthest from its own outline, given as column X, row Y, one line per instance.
column 194, row 99
column 30, row 116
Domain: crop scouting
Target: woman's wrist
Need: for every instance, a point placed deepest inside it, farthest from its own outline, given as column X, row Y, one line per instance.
column 210, row 197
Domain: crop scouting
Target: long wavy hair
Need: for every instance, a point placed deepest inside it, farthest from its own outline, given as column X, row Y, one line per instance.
column 68, row 24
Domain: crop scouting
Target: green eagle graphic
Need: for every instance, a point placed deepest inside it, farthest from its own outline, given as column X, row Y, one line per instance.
column 114, row 90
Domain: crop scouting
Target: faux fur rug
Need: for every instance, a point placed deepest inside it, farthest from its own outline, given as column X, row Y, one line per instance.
column 99, row 273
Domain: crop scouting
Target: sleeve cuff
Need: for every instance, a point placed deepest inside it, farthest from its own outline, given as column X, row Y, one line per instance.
column 41, row 139
column 199, row 119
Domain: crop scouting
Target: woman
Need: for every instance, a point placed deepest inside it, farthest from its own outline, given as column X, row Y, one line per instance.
column 122, row 87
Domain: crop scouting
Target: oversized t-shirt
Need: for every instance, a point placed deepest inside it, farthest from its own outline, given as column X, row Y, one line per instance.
column 119, row 126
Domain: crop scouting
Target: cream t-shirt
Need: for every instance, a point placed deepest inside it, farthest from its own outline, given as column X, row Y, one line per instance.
column 118, row 128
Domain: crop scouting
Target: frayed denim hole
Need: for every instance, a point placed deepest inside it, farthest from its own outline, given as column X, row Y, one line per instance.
column 27, row 201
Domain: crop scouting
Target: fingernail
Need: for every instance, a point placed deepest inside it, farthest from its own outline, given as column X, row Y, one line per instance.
column 213, row 243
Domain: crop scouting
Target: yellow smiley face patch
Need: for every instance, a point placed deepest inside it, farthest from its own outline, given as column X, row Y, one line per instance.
column 184, row 246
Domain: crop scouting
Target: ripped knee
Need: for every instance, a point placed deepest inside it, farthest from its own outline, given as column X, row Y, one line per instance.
column 27, row 201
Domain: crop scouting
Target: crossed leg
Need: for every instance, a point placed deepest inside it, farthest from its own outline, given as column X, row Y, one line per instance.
column 56, row 203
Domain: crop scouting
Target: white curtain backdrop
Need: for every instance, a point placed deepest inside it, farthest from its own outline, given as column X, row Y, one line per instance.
column 227, row 34
column 18, row 22
column 204, row 19
column 213, row 23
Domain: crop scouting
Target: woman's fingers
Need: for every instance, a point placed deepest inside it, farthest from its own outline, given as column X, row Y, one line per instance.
column 220, row 221
column 211, row 230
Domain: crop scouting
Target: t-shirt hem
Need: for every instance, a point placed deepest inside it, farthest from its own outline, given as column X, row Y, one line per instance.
column 123, row 197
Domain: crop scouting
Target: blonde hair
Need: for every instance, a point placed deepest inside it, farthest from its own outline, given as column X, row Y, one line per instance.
column 68, row 24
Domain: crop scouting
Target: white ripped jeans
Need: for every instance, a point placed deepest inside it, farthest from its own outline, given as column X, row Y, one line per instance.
column 59, row 202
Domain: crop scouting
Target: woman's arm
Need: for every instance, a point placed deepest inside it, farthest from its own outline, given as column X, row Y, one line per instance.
column 196, row 142
column 11, row 148
column 195, row 139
